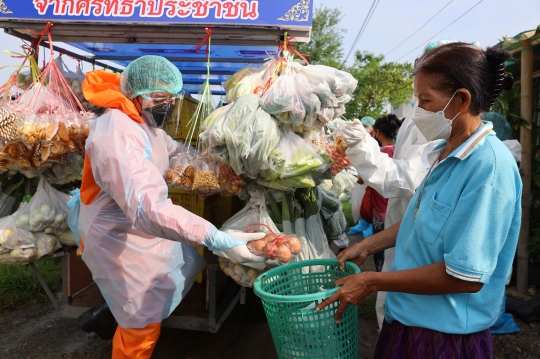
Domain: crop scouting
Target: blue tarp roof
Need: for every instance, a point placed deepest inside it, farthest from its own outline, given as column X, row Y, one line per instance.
column 225, row 60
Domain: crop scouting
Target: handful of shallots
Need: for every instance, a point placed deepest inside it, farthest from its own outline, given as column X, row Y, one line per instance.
column 281, row 247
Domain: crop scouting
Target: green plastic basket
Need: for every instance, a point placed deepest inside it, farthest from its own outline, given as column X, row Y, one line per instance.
column 290, row 294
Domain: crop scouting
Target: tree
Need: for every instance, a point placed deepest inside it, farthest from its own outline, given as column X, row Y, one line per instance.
column 379, row 84
column 326, row 45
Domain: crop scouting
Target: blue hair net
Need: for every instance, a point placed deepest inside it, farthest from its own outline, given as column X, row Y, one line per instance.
column 149, row 74
column 368, row 121
column 436, row 43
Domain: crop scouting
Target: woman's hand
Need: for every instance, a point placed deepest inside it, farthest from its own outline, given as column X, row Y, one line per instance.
column 356, row 253
column 354, row 289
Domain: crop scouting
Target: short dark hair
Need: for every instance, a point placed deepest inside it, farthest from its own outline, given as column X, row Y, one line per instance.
column 388, row 125
column 460, row 65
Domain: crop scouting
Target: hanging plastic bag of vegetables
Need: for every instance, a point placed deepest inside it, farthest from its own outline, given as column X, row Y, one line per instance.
column 238, row 130
column 47, row 211
column 252, row 82
column 264, row 139
column 293, row 157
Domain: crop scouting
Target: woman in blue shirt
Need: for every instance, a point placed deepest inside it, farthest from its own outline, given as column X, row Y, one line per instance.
column 456, row 242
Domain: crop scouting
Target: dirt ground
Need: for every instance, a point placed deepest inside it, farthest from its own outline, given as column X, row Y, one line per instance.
column 36, row 332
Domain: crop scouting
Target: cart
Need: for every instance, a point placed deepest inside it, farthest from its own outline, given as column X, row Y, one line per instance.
column 244, row 32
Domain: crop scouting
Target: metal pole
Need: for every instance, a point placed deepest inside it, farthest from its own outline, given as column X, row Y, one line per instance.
column 525, row 139
column 46, row 287
column 242, row 295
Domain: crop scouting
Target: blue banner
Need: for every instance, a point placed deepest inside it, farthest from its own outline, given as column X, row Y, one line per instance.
column 283, row 13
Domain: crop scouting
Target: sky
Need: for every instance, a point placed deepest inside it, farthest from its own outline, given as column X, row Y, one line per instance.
column 392, row 22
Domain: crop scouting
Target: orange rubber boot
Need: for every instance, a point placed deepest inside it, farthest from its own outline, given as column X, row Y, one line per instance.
column 135, row 343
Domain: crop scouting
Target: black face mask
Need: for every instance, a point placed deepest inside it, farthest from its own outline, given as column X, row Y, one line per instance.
column 376, row 139
column 161, row 113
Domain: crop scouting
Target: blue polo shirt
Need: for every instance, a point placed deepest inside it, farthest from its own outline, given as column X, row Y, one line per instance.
column 469, row 217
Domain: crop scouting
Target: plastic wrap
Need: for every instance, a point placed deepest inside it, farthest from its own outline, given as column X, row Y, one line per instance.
column 252, row 82
column 254, row 212
column 238, row 130
column 49, row 113
column 265, row 135
column 205, row 178
column 243, row 275
column 330, row 203
column 311, row 101
column 45, row 244
column 293, row 157
column 340, row 82
column 343, row 184
column 181, row 172
column 283, row 100
column 12, row 237
column 131, row 230
column 229, row 182
column 60, row 173
column 211, row 120
column 238, row 76
column 276, row 246
column 47, row 211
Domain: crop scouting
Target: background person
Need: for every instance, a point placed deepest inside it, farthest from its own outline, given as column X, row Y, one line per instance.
column 384, row 132
column 368, row 123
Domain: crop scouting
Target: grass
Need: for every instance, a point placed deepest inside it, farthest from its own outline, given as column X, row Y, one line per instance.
column 366, row 309
column 19, row 285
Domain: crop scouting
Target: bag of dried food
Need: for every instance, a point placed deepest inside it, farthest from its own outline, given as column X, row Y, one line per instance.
column 205, row 180
column 229, row 182
column 50, row 114
column 181, row 172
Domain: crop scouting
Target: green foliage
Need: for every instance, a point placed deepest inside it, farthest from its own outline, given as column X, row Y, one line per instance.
column 19, row 285
column 509, row 105
column 366, row 309
column 379, row 84
column 326, row 45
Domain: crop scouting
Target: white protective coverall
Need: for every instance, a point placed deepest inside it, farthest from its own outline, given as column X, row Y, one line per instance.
column 394, row 178
column 142, row 276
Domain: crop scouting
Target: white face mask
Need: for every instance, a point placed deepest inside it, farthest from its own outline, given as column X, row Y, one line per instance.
column 434, row 125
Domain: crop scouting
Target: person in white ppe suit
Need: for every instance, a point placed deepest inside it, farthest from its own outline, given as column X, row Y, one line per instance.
column 394, row 178
column 136, row 242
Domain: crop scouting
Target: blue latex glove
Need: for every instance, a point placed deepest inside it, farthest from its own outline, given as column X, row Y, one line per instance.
column 221, row 241
column 233, row 246
column 73, row 217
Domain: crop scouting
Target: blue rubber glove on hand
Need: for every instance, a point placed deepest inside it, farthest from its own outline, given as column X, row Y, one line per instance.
column 233, row 246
